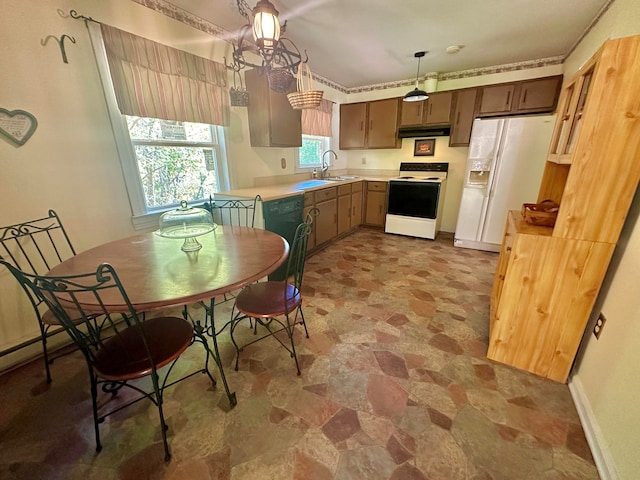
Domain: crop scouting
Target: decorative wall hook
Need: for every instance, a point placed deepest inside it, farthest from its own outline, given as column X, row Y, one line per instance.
column 60, row 41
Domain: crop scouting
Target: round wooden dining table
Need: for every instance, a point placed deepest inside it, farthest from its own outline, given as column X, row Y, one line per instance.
column 156, row 273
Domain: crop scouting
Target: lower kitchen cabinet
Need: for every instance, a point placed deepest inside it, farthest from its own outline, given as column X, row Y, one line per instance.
column 376, row 204
column 344, row 208
column 327, row 220
column 356, row 204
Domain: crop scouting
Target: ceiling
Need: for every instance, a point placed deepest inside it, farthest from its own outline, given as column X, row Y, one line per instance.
column 356, row 43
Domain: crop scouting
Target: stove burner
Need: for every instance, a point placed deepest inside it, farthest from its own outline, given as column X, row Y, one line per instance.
column 405, row 178
column 432, row 178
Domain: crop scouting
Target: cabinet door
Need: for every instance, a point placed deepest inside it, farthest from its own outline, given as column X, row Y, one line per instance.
column 411, row 113
column 356, row 209
column 539, row 95
column 344, row 213
column 326, row 221
column 353, row 118
column 497, row 99
column 375, row 210
column 272, row 121
column 383, row 124
column 438, row 111
column 463, row 116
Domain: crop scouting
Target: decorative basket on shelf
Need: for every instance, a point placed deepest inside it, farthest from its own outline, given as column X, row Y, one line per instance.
column 306, row 96
column 542, row 214
column 238, row 95
column 280, row 79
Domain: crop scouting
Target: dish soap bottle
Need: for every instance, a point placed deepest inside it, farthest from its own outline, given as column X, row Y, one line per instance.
column 315, row 173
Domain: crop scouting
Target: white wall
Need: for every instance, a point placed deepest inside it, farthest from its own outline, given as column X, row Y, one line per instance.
column 606, row 383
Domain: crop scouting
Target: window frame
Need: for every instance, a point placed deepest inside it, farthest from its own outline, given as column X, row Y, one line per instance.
column 306, row 168
column 142, row 216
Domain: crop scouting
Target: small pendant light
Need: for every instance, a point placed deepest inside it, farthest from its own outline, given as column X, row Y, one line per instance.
column 416, row 95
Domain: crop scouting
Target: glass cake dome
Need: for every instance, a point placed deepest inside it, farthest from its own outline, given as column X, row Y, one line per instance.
column 188, row 223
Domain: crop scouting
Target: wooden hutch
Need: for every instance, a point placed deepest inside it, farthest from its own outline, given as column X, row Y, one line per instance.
column 548, row 278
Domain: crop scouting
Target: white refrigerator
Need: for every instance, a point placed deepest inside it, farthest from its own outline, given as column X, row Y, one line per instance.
column 504, row 169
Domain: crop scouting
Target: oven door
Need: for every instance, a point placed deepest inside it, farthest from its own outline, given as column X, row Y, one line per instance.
column 414, row 199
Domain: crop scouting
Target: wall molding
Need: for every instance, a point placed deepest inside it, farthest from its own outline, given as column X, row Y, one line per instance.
column 595, row 438
column 170, row 10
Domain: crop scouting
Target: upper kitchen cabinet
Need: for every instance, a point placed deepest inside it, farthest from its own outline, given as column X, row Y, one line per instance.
column 370, row 124
column 436, row 110
column 464, row 107
column 272, row 121
column 530, row 96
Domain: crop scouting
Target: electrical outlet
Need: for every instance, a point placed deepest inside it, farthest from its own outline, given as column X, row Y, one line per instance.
column 597, row 329
column 364, row 160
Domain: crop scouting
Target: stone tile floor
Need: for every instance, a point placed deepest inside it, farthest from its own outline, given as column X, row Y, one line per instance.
column 395, row 385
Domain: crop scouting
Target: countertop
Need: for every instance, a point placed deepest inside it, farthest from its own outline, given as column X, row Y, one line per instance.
column 274, row 192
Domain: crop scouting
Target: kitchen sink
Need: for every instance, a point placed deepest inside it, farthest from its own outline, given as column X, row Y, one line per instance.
column 340, row 178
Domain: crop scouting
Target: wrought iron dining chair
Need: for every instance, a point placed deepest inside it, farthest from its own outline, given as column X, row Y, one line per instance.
column 267, row 302
column 239, row 213
column 124, row 347
column 35, row 247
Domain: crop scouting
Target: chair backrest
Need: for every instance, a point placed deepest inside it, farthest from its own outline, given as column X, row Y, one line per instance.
column 239, row 213
column 36, row 246
column 79, row 303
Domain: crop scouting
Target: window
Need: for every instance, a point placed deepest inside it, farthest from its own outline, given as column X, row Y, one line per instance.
column 310, row 153
column 176, row 160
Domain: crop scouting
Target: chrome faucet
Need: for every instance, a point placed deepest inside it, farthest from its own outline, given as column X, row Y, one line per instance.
column 325, row 166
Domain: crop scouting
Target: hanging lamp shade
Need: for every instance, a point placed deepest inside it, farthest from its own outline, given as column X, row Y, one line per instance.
column 416, row 95
column 266, row 26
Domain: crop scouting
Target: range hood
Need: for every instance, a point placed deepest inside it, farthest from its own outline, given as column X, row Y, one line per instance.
column 430, row 131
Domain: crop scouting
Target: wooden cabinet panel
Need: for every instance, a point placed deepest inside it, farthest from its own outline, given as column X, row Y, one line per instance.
column 539, row 95
column 326, row 221
column 411, row 113
column 497, row 99
column 353, row 120
column 272, row 121
column 383, row 123
column 356, row 209
column 463, row 116
column 434, row 111
column 344, row 213
column 370, row 124
column 438, row 110
column 528, row 96
column 375, row 204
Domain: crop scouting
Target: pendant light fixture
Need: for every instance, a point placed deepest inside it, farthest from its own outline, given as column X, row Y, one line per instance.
column 416, row 95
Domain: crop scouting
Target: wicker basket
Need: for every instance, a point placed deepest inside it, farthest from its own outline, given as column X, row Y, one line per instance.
column 238, row 95
column 280, row 80
column 306, row 96
column 542, row 214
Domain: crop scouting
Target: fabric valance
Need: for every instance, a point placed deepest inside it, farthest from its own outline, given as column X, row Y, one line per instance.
column 317, row 121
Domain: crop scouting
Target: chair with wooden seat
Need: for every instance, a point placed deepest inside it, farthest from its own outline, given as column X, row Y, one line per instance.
column 276, row 305
column 35, row 247
column 123, row 348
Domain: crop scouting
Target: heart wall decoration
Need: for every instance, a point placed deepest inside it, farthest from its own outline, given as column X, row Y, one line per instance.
column 17, row 126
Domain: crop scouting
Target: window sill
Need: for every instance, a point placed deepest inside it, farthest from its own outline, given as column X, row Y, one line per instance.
column 146, row 221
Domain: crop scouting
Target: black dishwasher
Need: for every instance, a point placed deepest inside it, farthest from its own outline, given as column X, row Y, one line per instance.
column 282, row 216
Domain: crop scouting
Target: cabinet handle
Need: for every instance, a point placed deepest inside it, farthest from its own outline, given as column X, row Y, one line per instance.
column 361, row 124
column 370, row 125
column 524, row 97
column 335, row 218
column 508, row 98
column 458, row 119
column 430, row 108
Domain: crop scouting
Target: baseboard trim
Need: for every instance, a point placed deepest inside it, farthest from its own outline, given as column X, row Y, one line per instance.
column 599, row 449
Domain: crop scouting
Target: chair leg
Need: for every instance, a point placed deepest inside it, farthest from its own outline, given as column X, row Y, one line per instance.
column 163, row 426
column 304, row 324
column 289, row 330
column 232, row 327
column 45, row 353
column 94, row 401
